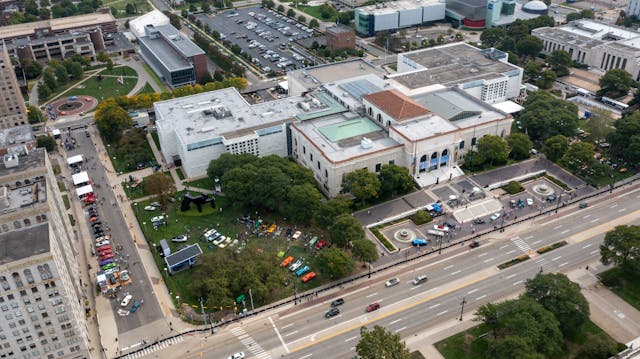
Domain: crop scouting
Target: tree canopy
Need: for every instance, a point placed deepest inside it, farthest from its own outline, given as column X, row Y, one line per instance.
column 579, row 156
column 544, row 116
column 394, row 180
column 329, row 210
column 335, row 263
column 362, row 184
column 494, row 149
column 625, row 139
column 379, row 343
column 48, row 142
column 365, row 251
column 615, row 83
column 555, row 147
column 519, row 146
column 345, row 230
column 560, row 62
column 111, row 120
column 620, row 247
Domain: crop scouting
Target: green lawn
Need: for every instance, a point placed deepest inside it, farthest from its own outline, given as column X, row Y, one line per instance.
column 195, row 224
column 118, row 163
column 138, row 191
column 120, row 70
column 142, row 6
column 108, row 87
column 205, row 183
column 623, row 284
column 474, row 342
column 315, row 12
column 180, row 174
column 156, row 140
column 59, row 90
column 146, row 89
column 65, row 199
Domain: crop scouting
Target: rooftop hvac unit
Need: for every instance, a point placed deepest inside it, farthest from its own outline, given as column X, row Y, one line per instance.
column 305, row 106
column 366, row 143
column 11, row 161
column 219, row 112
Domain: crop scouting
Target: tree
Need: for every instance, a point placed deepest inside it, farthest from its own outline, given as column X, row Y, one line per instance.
column 545, row 115
column 533, row 69
column 529, row 46
column 314, row 23
column 218, row 167
column 269, row 4
column 494, row 149
column 302, row 202
column 620, row 247
column 111, row 120
column 512, row 347
column 206, row 8
column 574, row 16
column 160, row 185
column 547, row 78
column 491, row 37
column 50, row 79
column 615, row 83
column 625, row 128
column 345, row 230
column 599, row 124
column 48, row 142
column 335, row 263
column 32, row 68
column 302, row 19
column 61, row 74
column 43, row 91
column 270, row 187
column 379, row 343
column 330, row 209
column 345, row 17
column 598, row 347
column 362, row 184
column 102, row 57
column 579, row 156
column 129, row 9
column 76, row 70
column 560, row 62
column 291, row 13
column 555, row 147
column 587, row 14
column 563, row 298
column 394, row 180
column 365, row 251
column 34, row 114
column 520, row 146
column 280, row 8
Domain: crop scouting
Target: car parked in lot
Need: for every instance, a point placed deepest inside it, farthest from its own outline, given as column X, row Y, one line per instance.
column 296, row 265
column 157, row 218
column 238, row 355
column 309, row 276
column 124, row 275
column 391, row 282
column 109, row 266
column 332, row 312
column 494, row 217
column 182, row 238
column 303, row 270
column 373, row 306
column 320, row 245
column 150, row 208
column 135, row 306
column 479, row 221
column 529, row 201
column 286, row 261
column 419, row 242
column 125, row 301
column 337, row 302
column 102, row 243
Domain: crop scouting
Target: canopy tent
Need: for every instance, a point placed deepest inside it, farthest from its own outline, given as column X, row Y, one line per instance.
column 284, row 85
column 74, row 159
column 84, row 190
column 80, row 178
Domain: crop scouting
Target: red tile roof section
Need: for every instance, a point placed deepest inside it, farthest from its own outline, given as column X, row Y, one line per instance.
column 397, row 105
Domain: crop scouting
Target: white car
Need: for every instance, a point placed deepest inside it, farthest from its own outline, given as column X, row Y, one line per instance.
column 529, row 201
column 296, row 265
column 150, row 208
column 157, row 218
column 124, row 275
column 102, row 243
column 238, row 355
column 495, row 216
column 391, row 282
column 126, row 300
column 226, row 242
column 182, row 238
column 220, row 240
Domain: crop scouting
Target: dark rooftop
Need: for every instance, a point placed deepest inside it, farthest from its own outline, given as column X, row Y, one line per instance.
column 23, row 243
column 339, row 29
column 183, row 255
column 34, row 159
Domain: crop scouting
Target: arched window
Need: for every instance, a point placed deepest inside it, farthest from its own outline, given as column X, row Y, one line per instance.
column 502, row 133
column 379, row 118
column 444, row 157
column 423, row 164
column 388, row 123
column 433, row 164
column 370, row 111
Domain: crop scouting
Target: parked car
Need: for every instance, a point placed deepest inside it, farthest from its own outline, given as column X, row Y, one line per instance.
column 391, row 282
column 124, row 275
column 182, row 238
column 102, row 243
column 309, row 276
column 529, row 201
column 125, row 301
column 150, row 208
column 332, row 312
column 157, row 218
column 494, row 217
column 286, row 261
column 320, row 245
column 373, row 306
column 296, row 265
column 337, row 302
column 303, row 270
column 109, row 266
column 135, row 306
column 551, row 198
column 419, row 279
column 479, row 221
column 419, row 242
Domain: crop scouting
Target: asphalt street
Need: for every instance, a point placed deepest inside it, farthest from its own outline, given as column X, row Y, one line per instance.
column 111, row 217
column 459, row 273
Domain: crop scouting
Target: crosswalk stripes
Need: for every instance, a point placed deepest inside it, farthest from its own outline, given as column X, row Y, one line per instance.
column 155, row 347
column 521, row 244
column 251, row 344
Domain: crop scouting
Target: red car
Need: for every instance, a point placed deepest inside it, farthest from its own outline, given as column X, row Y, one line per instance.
column 309, row 276
column 320, row 244
column 104, row 248
column 373, row 306
column 105, row 257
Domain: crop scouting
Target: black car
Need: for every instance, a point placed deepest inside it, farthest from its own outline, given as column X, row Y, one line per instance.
column 337, row 302
column 332, row 312
column 474, row 244
column 479, row 221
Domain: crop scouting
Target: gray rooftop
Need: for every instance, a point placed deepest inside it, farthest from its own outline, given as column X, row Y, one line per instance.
column 451, row 65
column 172, row 48
column 34, row 159
column 339, row 29
column 394, row 6
column 33, row 40
column 24, row 243
column 183, row 255
column 15, row 136
column 557, row 34
column 351, row 89
column 311, row 77
column 458, row 107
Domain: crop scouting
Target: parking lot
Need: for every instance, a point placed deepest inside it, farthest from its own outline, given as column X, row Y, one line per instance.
column 264, row 34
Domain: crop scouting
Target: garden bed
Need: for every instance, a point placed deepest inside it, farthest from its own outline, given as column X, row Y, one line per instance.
column 514, row 261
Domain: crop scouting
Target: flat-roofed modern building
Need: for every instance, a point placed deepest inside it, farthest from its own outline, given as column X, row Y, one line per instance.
column 104, row 20
column 39, row 286
column 172, row 56
column 304, row 80
column 16, row 138
column 483, row 73
column 13, row 112
column 596, row 44
column 394, row 15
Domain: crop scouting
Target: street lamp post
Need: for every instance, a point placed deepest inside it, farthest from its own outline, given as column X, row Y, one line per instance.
column 204, row 317
column 440, row 247
column 179, row 303
column 369, row 270
column 464, row 301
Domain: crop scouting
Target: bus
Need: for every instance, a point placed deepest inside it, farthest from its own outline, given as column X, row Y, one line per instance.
column 615, row 104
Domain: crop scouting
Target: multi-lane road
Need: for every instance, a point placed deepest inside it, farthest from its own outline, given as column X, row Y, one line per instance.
column 461, row 273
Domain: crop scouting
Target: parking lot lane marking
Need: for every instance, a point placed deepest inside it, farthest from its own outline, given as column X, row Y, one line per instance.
column 482, row 255
column 508, row 277
column 594, row 220
column 621, row 210
column 350, row 339
column 456, row 272
column 372, row 294
column 481, row 297
column 441, row 313
column 287, row 326
column 396, row 321
column 565, row 231
column 557, row 227
column 434, row 306
column 518, row 282
column 305, row 356
column 588, row 245
column 448, row 267
column 473, row 291
column 594, row 252
column 400, row 329
column 563, row 264
column 540, row 260
column 291, row 333
column 284, row 345
column 613, row 205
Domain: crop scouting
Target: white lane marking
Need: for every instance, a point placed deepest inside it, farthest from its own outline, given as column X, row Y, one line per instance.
column 481, row 297
column 488, row 260
column 536, row 242
column 503, row 247
column 434, row 306
column 482, row 255
column 588, row 245
column 448, row 267
column 473, row 291
column 511, row 276
column 456, row 272
column 613, row 205
column 511, row 251
column 558, row 226
column 441, row 313
column 563, row 264
column 565, row 231
column 529, row 237
column 556, row 258
column 621, row 210
column 371, row 295
column 415, row 287
column 587, row 216
column 540, row 260
column 518, row 282
column 400, row 329
column 350, row 339
column 396, row 321
column 594, row 252
column 287, row 326
column 284, row 345
column 306, row 356
column 594, row 220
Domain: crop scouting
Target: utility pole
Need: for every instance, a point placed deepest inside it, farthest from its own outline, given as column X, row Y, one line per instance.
column 462, row 309
column 204, row 317
column 440, row 248
column 251, row 298
column 369, row 270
